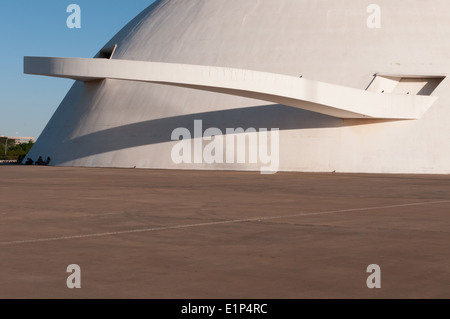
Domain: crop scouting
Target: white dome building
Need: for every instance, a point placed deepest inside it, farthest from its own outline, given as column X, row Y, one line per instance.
column 350, row 86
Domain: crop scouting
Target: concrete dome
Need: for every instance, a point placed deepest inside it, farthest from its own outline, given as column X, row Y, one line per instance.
column 117, row 123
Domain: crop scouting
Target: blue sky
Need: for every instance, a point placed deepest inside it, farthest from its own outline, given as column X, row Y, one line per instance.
column 38, row 28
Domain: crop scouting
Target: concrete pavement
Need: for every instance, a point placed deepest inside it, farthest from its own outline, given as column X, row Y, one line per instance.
column 199, row 234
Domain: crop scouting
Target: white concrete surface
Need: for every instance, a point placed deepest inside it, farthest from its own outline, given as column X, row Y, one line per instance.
column 121, row 123
column 315, row 96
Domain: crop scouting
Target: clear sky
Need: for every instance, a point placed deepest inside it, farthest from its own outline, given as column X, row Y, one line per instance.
column 38, row 28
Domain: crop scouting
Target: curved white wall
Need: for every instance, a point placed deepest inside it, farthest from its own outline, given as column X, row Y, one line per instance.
column 125, row 124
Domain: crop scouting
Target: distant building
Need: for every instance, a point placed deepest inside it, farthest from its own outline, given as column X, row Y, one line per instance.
column 19, row 139
column 22, row 139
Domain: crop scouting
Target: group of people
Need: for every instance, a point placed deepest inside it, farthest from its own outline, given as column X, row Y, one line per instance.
column 40, row 161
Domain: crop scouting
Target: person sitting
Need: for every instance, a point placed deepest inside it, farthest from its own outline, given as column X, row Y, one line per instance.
column 29, row 161
column 47, row 161
column 40, row 161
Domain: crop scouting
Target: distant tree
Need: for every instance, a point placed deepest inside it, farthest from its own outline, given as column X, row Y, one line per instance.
column 10, row 143
column 25, row 147
column 14, row 151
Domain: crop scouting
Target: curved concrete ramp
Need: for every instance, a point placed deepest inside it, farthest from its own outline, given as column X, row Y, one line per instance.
column 320, row 97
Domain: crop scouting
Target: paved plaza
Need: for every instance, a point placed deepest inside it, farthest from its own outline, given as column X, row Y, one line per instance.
column 206, row 234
